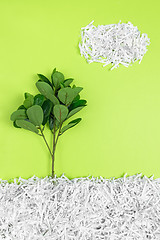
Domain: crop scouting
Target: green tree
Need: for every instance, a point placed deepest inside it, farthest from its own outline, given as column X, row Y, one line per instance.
column 52, row 107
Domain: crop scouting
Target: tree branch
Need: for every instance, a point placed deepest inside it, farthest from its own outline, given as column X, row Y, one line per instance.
column 45, row 141
column 53, row 156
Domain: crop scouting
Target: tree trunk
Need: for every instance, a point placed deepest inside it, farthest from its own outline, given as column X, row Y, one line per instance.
column 53, row 164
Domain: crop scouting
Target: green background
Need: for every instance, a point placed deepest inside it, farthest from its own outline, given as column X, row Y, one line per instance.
column 120, row 131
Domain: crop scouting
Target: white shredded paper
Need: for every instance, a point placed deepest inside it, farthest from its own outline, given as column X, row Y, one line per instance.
column 126, row 208
column 120, row 43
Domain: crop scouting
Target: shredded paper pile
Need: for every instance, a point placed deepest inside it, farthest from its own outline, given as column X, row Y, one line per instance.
column 120, row 43
column 126, row 208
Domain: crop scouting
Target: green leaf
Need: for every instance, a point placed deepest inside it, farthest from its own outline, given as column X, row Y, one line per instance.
column 47, row 107
column 28, row 102
column 44, row 79
column 44, row 88
column 71, row 124
column 26, row 95
column 57, row 78
column 54, row 70
column 39, row 99
column 76, row 104
column 15, row 125
column 21, row 107
column 53, row 99
column 68, row 81
column 51, row 122
column 47, row 91
column 45, row 119
column 18, row 115
column 26, row 125
column 35, row 114
column 76, row 98
column 66, row 95
column 62, row 85
column 74, row 111
column 60, row 112
column 77, row 90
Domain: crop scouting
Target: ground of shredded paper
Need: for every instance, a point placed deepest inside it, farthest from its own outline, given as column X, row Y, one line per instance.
column 82, row 208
